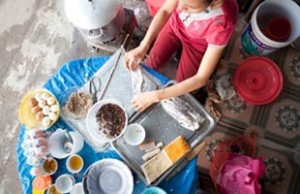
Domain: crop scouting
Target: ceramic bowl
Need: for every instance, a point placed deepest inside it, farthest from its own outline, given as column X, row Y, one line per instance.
column 57, row 140
column 39, row 109
column 94, row 127
column 109, row 176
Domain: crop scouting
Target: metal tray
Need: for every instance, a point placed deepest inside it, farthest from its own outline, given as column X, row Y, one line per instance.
column 160, row 126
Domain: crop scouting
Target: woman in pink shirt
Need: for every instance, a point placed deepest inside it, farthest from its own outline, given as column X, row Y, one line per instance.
column 202, row 28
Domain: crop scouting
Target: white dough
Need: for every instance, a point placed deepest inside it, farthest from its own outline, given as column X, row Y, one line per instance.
column 137, row 81
column 183, row 113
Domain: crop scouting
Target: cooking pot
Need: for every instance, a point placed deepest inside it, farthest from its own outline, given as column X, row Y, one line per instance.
column 97, row 20
column 91, row 14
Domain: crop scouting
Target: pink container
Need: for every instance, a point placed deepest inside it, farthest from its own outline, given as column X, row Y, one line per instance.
column 154, row 5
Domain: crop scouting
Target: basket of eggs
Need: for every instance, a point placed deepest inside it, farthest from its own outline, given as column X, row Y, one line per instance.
column 39, row 109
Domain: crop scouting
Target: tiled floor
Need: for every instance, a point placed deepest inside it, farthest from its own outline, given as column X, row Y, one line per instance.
column 277, row 123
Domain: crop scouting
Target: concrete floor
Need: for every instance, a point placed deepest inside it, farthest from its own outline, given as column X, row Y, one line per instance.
column 35, row 40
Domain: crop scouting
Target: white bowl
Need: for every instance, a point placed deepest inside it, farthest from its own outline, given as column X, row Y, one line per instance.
column 134, row 134
column 109, row 176
column 57, row 140
column 93, row 126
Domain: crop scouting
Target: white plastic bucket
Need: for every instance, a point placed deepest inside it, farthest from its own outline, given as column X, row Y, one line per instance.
column 254, row 42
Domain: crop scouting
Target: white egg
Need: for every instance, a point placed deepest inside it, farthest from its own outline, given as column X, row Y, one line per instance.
column 54, row 108
column 38, row 97
column 45, row 96
column 50, row 100
column 42, row 103
column 46, row 110
column 52, row 116
column 46, row 121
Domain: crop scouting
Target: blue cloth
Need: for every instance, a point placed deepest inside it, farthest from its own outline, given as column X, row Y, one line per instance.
column 75, row 73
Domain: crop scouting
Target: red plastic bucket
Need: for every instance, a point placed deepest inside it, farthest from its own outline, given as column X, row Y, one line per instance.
column 154, row 5
column 258, row 80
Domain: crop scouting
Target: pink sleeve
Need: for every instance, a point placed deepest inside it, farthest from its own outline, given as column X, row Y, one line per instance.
column 220, row 32
column 222, row 27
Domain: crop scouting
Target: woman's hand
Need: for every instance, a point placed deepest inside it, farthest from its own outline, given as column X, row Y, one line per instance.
column 142, row 101
column 134, row 57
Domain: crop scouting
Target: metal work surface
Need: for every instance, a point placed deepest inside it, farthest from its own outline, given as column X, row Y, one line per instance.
column 161, row 127
column 120, row 85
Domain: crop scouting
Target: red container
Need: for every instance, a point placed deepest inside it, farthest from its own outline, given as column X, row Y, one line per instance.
column 154, row 5
column 278, row 29
column 41, row 183
column 258, row 80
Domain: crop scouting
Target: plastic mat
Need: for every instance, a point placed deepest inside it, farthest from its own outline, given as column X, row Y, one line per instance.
column 76, row 73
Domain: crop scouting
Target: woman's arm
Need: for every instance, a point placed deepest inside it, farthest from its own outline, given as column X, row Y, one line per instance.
column 207, row 67
column 134, row 57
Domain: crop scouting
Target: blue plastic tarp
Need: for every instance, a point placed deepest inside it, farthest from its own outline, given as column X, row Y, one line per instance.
column 76, row 73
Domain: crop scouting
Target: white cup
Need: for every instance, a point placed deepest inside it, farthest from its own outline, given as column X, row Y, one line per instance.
column 64, row 183
column 77, row 189
column 78, row 142
column 134, row 134
column 57, row 140
column 71, row 159
column 47, row 164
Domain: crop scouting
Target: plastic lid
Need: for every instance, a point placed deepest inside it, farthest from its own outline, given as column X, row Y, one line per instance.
column 91, row 14
column 154, row 190
column 41, row 183
column 258, row 80
column 34, row 191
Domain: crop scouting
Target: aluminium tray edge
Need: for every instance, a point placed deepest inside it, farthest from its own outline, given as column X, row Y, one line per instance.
column 196, row 139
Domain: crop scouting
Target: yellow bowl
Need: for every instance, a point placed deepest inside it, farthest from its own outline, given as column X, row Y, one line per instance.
column 28, row 118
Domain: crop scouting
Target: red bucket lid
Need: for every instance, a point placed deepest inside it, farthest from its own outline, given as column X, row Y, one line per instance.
column 258, row 80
